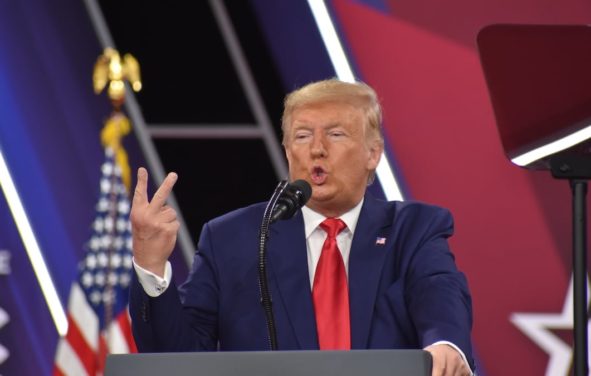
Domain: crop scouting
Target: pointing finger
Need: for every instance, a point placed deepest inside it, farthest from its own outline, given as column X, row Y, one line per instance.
column 140, row 195
column 163, row 192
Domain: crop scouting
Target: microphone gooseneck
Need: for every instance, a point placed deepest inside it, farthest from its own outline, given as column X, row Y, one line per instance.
column 284, row 203
column 262, row 266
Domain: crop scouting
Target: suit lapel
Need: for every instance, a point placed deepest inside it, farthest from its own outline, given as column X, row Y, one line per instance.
column 365, row 267
column 289, row 266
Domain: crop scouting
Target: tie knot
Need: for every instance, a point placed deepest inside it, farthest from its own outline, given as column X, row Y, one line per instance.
column 333, row 226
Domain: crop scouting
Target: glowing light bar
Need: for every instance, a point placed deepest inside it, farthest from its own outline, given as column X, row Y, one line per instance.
column 345, row 73
column 331, row 41
column 388, row 181
column 32, row 247
column 553, row 147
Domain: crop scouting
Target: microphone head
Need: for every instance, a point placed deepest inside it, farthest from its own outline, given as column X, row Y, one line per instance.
column 302, row 190
column 293, row 197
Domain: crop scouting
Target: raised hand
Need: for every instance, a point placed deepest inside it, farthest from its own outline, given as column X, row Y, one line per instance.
column 154, row 225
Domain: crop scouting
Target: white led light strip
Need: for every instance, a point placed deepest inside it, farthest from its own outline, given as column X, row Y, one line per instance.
column 553, row 147
column 32, row 247
column 345, row 73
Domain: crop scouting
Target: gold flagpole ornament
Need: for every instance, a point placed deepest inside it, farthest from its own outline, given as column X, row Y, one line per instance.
column 110, row 69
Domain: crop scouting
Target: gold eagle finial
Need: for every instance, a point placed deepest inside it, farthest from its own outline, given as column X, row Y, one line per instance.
column 112, row 70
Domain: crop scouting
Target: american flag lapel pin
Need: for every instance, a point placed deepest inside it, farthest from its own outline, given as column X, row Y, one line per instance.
column 380, row 241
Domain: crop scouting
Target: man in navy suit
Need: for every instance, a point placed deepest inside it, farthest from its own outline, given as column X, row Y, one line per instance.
column 400, row 285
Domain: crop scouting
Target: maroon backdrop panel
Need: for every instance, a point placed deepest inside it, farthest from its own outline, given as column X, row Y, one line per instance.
column 512, row 226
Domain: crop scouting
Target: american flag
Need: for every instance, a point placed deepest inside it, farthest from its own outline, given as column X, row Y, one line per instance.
column 98, row 319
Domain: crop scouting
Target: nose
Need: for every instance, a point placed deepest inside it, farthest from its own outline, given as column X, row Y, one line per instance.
column 317, row 148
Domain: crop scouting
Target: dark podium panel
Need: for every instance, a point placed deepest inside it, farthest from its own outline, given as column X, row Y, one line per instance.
column 272, row 363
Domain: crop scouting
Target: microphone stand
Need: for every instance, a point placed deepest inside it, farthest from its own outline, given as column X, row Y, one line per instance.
column 266, row 300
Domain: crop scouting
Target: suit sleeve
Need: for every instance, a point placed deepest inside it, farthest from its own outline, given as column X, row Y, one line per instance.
column 183, row 319
column 437, row 293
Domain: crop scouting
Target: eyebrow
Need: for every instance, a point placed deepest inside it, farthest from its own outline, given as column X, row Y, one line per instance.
column 304, row 125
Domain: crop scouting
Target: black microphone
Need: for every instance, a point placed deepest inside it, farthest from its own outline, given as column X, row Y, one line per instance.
column 293, row 197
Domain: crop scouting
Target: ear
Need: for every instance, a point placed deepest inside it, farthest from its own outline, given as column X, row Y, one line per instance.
column 287, row 153
column 375, row 151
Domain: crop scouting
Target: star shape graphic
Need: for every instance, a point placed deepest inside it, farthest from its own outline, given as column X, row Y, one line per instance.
column 4, row 319
column 538, row 327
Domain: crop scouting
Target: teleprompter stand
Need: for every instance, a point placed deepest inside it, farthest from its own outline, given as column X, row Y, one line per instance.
column 577, row 169
column 539, row 80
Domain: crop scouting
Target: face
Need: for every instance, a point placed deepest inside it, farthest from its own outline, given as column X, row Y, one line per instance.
column 326, row 145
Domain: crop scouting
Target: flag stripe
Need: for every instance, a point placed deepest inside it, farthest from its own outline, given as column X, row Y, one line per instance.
column 116, row 340
column 83, row 314
column 83, row 351
column 67, row 361
column 57, row 371
column 125, row 324
column 102, row 355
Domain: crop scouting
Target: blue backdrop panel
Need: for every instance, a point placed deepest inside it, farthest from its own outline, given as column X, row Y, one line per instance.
column 30, row 330
column 50, row 122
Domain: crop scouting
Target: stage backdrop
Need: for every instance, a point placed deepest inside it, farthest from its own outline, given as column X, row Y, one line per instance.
column 512, row 226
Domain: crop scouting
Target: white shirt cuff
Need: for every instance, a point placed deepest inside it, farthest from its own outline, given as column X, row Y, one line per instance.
column 457, row 349
column 154, row 285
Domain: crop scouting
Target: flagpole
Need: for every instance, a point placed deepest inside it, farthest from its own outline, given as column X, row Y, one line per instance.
column 111, row 71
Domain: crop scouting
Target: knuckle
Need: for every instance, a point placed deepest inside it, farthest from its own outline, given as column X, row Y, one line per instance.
column 135, row 218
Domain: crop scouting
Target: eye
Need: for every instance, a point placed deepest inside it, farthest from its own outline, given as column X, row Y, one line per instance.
column 336, row 133
column 302, row 136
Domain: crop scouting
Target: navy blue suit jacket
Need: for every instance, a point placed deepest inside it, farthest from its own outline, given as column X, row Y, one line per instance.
column 406, row 293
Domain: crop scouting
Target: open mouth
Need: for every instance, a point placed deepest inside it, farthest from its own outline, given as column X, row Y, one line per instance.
column 318, row 175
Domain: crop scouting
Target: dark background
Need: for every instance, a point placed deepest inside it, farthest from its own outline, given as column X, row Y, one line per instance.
column 189, row 78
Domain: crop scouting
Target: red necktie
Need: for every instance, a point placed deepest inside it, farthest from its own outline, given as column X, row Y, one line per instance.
column 330, row 292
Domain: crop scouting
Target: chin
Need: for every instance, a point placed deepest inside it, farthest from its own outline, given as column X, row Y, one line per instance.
column 322, row 194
